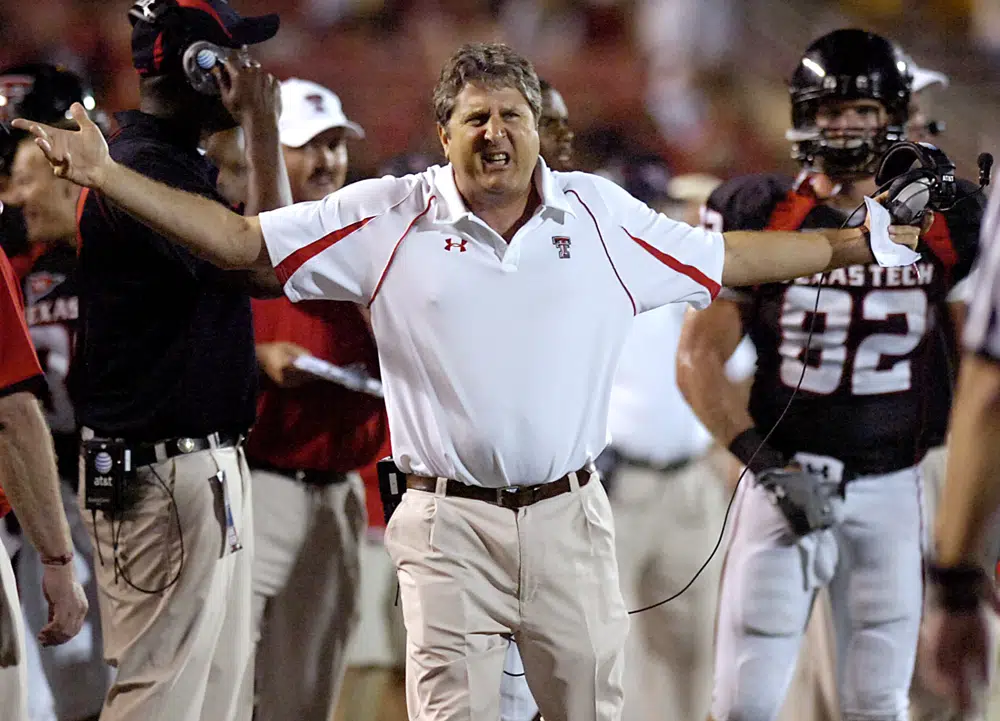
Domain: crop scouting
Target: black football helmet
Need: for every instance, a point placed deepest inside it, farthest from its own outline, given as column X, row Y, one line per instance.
column 848, row 64
column 41, row 92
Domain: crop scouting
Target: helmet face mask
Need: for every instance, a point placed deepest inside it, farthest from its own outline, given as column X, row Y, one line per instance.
column 843, row 66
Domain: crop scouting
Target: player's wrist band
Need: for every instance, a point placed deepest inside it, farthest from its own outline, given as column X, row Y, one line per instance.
column 959, row 588
column 63, row 560
column 750, row 448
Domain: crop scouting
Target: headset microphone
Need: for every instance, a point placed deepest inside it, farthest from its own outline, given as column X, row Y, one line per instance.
column 985, row 163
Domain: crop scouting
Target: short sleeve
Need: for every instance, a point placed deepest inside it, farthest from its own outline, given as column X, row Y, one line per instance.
column 336, row 248
column 982, row 327
column 660, row 260
column 18, row 362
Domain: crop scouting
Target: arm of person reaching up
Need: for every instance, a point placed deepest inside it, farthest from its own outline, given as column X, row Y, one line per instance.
column 28, row 473
column 253, row 97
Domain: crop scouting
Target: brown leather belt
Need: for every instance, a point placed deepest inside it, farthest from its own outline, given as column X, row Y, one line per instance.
column 512, row 497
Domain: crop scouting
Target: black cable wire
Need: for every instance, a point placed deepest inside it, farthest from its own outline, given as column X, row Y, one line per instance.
column 774, row 427
column 120, row 570
column 795, row 391
column 784, row 412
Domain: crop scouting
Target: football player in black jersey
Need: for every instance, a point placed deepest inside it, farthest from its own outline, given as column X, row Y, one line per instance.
column 857, row 356
column 78, row 679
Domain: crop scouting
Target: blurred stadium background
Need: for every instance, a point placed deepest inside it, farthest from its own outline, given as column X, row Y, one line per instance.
column 699, row 82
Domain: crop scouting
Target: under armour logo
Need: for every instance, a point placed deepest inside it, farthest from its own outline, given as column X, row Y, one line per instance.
column 460, row 244
column 317, row 102
column 562, row 243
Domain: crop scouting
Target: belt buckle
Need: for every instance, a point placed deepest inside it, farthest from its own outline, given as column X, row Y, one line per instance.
column 505, row 495
column 185, row 445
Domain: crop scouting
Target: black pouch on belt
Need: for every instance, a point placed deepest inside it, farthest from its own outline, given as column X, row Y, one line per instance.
column 391, row 486
column 107, row 473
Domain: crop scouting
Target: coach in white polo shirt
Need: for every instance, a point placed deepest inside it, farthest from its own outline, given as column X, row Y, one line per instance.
column 501, row 294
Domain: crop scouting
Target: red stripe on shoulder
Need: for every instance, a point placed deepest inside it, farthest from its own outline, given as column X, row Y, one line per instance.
column 791, row 211
column 938, row 239
column 606, row 253
column 287, row 268
column 670, row 261
column 392, row 255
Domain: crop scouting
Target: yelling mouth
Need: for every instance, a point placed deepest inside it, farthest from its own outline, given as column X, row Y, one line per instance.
column 495, row 160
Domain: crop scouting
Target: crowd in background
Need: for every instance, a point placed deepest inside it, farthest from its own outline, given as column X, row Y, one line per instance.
column 700, row 82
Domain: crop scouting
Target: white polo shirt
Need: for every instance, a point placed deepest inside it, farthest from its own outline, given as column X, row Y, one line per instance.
column 497, row 359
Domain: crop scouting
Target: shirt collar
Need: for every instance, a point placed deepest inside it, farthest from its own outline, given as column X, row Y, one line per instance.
column 452, row 209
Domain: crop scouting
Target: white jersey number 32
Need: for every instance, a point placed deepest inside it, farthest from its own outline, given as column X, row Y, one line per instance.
column 870, row 374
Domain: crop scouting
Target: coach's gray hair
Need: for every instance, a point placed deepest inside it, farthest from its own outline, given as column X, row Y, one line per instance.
column 493, row 65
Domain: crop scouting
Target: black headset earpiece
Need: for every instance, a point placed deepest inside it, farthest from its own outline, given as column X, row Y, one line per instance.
column 917, row 176
column 198, row 57
column 198, row 60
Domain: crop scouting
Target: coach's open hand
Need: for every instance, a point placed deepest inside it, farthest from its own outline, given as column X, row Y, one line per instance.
column 77, row 155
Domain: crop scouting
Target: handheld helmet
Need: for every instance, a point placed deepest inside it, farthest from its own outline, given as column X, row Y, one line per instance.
column 848, row 64
column 41, row 92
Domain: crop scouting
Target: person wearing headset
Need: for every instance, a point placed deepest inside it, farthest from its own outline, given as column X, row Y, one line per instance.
column 854, row 349
column 165, row 371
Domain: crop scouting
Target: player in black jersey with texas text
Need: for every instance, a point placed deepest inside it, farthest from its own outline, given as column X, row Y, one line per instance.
column 857, row 425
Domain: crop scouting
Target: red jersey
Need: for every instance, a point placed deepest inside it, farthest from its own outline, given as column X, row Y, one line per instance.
column 319, row 426
column 18, row 362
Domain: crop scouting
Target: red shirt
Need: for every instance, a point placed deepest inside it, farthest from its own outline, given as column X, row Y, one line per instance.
column 18, row 361
column 319, row 426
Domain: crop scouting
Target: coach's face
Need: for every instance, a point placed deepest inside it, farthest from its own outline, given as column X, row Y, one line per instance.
column 491, row 141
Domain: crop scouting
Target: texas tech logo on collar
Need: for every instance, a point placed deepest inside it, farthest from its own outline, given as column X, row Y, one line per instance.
column 562, row 243
column 452, row 244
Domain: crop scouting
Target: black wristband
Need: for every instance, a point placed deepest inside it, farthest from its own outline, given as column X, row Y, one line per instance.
column 959, row 588
column 749, row 447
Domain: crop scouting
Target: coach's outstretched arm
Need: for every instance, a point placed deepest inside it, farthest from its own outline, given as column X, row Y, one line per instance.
column 204, row 227
column 756, row 257
column 232, row 241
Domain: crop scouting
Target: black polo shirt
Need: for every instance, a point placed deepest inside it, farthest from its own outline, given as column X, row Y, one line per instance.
column 165, row 343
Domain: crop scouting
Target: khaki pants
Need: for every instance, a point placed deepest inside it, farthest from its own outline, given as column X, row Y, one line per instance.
column 13, row 661
column 666, row 525
column 306, row 576
column 183, row 653
column 473, row 574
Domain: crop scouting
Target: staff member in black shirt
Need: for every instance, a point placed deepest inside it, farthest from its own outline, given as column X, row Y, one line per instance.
column 164, row 378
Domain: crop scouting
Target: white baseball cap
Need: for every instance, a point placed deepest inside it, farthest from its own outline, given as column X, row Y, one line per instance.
column 923, row 79
column 308, row 109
